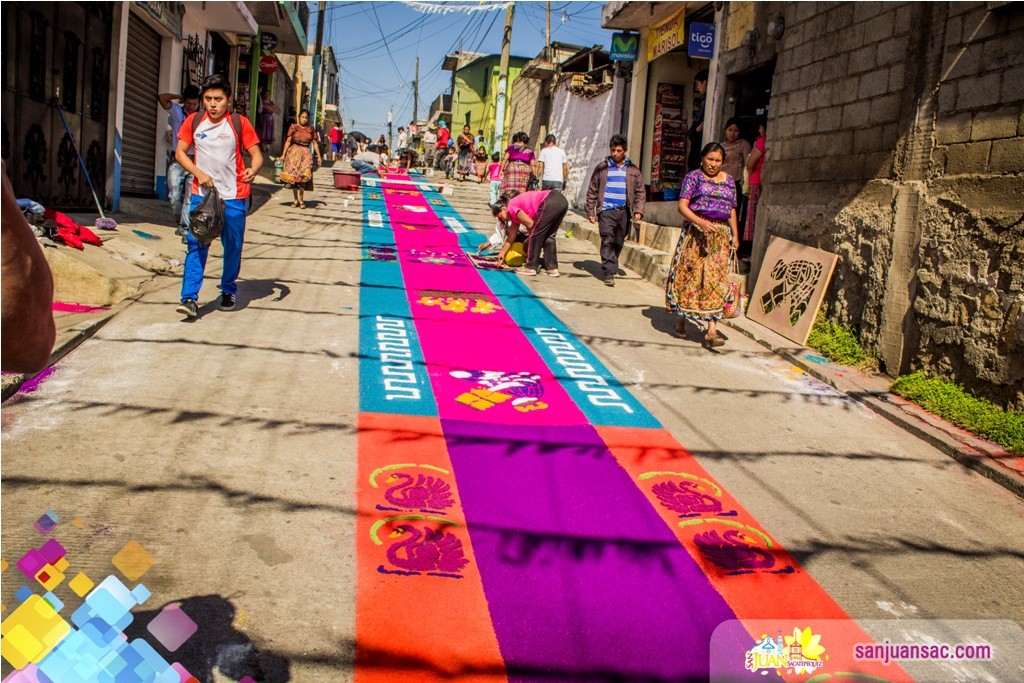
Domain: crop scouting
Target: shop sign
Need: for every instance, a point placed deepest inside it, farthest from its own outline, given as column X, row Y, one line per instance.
column 625, row 47
column 268, row 41
column 268, row 64
column 666, row 35
column 167, row 14
column 701, row 40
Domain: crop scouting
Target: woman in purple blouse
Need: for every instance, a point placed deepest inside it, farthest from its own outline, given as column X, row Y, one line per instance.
column 517, row 165
column 698, row 281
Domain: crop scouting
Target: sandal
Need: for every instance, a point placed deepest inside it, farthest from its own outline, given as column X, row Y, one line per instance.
column 294, row 205
column 715, row 340
column 302, row 205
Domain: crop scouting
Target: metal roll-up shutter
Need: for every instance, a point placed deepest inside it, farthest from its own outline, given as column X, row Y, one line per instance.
column 138, row 147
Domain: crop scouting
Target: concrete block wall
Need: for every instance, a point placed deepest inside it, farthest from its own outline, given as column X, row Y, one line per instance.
column 836, row 103
column 971, row 269
column 527, row 108
column 870, row 99
column 834, row 129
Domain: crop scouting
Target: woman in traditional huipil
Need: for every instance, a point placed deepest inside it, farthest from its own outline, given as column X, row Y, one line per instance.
column 466, row 150
column 698, row 281
column 298, row 158
column 517, row 165
column 755, row 162
column 265, row 119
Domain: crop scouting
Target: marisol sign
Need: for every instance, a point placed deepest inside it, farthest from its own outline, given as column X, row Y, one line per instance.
column 666, row 35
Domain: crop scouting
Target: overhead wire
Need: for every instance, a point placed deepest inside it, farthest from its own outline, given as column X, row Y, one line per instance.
column 486, row 33
column 401, row 30
column 470, row 32
column 477, row 18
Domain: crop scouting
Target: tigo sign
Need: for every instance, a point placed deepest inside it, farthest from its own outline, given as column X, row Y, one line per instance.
column 625, row 47
column 701, row 40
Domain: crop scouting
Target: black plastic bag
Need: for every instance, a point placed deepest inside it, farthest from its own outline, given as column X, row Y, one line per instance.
column 207, row 219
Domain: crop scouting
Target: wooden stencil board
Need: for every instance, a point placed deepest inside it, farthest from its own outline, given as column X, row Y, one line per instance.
column 790, row 288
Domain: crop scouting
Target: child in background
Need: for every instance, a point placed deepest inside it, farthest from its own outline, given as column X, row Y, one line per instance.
column 494, row 173
column 480, row 164
column 448, row 165
column 495, row 241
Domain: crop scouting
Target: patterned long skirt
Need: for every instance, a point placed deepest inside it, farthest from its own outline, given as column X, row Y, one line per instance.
column 298, row 168
column 698, row 281
column 265, row 127
column 754, row 195
column 516, row 176
column 466, row 164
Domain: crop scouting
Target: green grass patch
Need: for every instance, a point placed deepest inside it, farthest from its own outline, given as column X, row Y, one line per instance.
column 952, row 403
column 839, row 344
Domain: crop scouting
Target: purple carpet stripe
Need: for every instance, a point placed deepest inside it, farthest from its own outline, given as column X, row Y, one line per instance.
column 583, row 579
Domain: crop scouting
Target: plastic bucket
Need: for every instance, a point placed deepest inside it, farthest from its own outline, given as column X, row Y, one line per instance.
column 347, row 180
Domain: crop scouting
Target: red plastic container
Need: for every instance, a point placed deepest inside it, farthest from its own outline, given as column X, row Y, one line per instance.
column 347, row 180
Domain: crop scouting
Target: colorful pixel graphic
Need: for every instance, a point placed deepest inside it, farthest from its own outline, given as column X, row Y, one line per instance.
column 47, row 522
column 42, row 644
column 172, row 627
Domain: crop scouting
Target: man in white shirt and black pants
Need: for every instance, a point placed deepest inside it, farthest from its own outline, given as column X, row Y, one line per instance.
column 554, row 165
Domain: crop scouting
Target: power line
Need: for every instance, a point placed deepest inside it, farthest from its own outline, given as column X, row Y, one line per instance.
column 373, row 44
column 486, row 32
column 386, row 46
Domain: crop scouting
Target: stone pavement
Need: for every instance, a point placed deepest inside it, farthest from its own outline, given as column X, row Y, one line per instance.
column 226, row 447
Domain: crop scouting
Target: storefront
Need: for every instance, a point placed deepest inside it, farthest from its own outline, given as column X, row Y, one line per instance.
column 669, row 98
column 207, row 44
column 56, row 50
column 662, row 89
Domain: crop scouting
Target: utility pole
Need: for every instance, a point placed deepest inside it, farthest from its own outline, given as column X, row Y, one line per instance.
column 546, row 92
column 391, row 131
column 322, row 85
column 547, row 31
column 416, row 93
column 499, row 109
column 317, row 60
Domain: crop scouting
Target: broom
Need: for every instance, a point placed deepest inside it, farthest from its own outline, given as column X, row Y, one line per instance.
column 102, row 222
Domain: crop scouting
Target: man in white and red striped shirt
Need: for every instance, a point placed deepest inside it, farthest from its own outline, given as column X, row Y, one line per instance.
column 219, row 138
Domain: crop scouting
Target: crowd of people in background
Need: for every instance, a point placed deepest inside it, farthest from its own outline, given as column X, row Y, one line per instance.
column 717, row 200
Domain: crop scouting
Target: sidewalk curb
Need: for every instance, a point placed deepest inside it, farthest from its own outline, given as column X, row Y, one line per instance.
column 968, row 450
column 971, row 451
column 12, row 383
column 83, row 332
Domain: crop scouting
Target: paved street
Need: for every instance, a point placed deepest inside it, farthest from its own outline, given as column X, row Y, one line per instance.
column 229, row 448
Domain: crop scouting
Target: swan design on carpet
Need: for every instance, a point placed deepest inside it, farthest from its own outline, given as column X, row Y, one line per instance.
column 424, row 493
column 428, row 551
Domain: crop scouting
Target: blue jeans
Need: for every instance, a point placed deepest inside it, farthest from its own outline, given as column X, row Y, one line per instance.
column 362, row 166
column 231, row 237
column 551, row 185
column 179, row 188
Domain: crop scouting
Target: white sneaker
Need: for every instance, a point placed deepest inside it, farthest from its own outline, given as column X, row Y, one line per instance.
column 553, row 273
